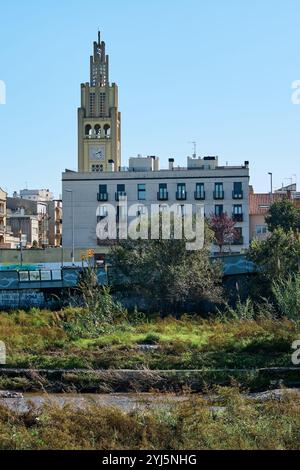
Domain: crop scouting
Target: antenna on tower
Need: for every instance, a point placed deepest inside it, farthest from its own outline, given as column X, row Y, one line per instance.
column 194, row 149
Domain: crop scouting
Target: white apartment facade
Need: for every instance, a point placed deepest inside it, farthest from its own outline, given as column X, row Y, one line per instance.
column 219, row 188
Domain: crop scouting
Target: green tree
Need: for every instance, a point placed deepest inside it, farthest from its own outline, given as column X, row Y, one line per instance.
column 166, row 274
column 283, row 214
column 278, row 256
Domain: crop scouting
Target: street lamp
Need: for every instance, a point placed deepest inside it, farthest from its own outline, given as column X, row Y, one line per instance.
column 21, row 248
column 73, row 224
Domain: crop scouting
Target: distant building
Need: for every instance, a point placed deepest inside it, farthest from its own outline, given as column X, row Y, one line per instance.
column 38, row 195
column 219, row 188
column 55, row 223
column 25, row 227
column 259, row 206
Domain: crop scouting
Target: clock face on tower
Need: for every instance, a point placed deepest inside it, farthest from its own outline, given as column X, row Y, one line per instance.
column 97, row 152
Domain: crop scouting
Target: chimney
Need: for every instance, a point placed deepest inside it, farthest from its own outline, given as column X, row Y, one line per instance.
column 246, row 164
column 111, row 166
column 171, row 164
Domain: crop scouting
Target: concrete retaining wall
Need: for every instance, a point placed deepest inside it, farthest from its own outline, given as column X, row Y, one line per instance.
column 14, row 299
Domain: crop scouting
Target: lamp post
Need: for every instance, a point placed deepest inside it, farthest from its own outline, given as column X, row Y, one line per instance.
column 21, row 248
column 73, row 224
column 271, row 182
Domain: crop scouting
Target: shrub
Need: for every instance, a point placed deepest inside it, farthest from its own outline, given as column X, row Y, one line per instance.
column 287, row 296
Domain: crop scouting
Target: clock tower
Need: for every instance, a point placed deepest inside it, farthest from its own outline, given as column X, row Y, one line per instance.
column 99, row 121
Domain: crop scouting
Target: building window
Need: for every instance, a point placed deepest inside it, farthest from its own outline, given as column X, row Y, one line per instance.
column 200, row 191
column 102, row 99
column 141, row 192
column 121, row 192
column 239, row 239
column 219, row 210
column 92, row 104
column 261, row 230
column 219, row 191
column 162, row 192
column 238, row 213
column 102, row 213
column 102, row 195
column 181, row 192
column 237, row 209
column 97, row 168
column 237, row 190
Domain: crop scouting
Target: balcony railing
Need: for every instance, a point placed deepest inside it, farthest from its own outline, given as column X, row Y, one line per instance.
column 97, row 137
column 200, row 195
column 121, row 195
column 238, row 195
column 181, row 195
column 102, row 197
column 162, row 195
column 219, row 195
column 238, row 217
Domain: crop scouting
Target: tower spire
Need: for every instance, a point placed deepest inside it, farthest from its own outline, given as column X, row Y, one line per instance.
column 99, row 64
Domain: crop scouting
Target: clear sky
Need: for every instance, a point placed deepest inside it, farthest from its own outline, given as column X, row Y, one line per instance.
column 214, row 71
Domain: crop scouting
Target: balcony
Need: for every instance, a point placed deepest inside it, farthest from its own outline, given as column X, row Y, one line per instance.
column 121, row 196
column 239, row 195
column 219, row 195
column 238, row 217
column 200, row 195
column 162, row 196
column 181, row 195
column 102, row 197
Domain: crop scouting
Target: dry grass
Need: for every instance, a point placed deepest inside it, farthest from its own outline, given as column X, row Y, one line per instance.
column 240, row 424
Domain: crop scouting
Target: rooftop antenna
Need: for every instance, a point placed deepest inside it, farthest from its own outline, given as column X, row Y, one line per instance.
column 194, row 148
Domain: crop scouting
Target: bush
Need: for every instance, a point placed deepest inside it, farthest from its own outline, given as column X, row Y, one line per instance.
column 287, row 296
column 242, row 311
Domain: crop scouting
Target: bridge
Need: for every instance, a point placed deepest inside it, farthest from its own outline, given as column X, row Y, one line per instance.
column 31, row 277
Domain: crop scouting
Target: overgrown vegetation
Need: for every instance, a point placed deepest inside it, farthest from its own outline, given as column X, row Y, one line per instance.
column 239, row 424
column 166, row 274
column 42, row 339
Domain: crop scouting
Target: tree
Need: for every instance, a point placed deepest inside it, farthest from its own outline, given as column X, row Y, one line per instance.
column 223, row 228
column 166, row 274
column 278, row 256
column 283, row 214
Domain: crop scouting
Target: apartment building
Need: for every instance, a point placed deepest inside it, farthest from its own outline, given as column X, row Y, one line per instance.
column 55, row 223
column 203, row 181
column 259, row 206
column 37, row 195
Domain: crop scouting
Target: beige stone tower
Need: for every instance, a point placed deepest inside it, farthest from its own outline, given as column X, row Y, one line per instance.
column 99, row 121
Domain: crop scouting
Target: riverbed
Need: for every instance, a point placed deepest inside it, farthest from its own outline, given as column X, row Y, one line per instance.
column 126, row 402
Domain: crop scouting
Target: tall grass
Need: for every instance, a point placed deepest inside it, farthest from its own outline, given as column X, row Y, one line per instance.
column 240, row 424
column 287, row 296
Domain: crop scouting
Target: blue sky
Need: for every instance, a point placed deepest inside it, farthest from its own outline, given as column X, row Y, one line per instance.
column 218, row 72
